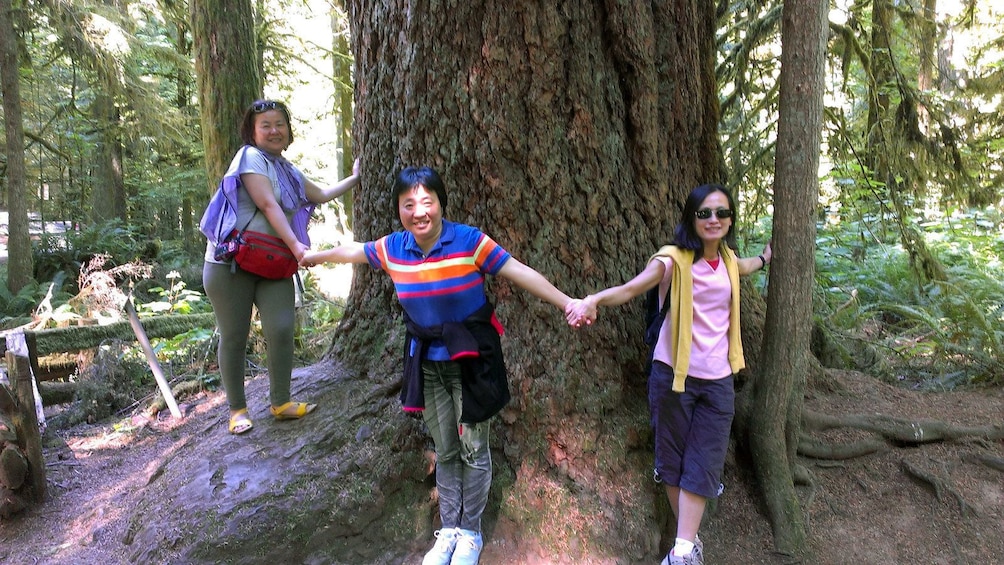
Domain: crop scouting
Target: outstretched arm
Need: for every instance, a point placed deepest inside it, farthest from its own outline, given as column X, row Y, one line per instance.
column 750, row 265
column 586, row 310
column 351, row 252
column 533, row 282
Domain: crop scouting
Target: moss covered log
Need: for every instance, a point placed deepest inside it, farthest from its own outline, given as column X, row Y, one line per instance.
column 45, row 342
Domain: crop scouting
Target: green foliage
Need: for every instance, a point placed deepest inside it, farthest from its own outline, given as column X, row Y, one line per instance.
column 937, row 334
column 176, row 300
column 59, row 257
column 15, row 309
column 316, row 320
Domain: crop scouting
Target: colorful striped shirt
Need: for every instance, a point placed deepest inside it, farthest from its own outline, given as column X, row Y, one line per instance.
column 447, row 285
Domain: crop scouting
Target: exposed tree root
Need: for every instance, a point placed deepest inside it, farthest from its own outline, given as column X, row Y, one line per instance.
column 940, row 484
column 816, row 449
column 900, row 431
column 995, row 463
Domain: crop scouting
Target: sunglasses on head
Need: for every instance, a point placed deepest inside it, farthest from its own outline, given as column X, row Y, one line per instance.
column 721, row 213
column 259, row 107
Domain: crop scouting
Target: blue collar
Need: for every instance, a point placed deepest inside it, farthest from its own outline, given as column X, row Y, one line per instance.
column 446, row 237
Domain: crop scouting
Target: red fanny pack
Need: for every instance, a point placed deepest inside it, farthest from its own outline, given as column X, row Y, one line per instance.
column 264, row 255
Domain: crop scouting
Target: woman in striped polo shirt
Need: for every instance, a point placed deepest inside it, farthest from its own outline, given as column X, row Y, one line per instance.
column 454, row 372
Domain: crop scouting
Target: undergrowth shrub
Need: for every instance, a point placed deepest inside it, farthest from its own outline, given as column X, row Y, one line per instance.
column 933, row 334
column 317, row 318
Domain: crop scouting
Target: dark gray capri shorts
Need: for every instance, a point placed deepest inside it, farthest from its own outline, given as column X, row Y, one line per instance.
column 691, row 429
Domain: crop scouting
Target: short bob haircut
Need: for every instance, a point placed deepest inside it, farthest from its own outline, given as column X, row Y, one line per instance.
column 258, row 107
column 685, row 235
column 410, row 177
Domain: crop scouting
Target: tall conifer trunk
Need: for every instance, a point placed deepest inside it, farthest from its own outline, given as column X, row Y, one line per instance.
column 571, row 134
column 228, row 76
column 20, row 263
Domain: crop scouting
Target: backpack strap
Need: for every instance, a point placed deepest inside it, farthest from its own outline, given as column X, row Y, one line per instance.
column 665, row 302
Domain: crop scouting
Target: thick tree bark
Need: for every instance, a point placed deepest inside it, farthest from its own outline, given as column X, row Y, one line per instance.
column 777, row 394
column 19, row 260
column 571, row 135
column 228, row 76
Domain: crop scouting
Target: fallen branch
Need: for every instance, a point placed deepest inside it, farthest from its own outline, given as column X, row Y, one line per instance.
column 85, row 337
column 53, row 392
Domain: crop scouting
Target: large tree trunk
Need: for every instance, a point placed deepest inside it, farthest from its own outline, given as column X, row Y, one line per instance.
column 19, row 260
column 108, row 192
column 228, row 76
column 778, row 392
column 571, row 135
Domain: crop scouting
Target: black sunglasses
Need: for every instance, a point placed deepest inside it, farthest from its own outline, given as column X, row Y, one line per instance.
column 259, row 107
column 705, row 213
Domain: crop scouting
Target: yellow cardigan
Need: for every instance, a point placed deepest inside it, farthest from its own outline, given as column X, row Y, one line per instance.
column 681, row 310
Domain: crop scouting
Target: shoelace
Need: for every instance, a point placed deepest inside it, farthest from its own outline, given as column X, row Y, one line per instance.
column 442, row 542
column 469, row 543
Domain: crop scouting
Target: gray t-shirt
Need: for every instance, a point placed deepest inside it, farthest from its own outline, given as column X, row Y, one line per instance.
column 253, row 160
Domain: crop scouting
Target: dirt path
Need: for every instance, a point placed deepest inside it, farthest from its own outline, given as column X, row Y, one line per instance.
column 862, row 510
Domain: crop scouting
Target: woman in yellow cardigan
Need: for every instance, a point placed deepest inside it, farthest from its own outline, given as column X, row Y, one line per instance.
column 691, row 395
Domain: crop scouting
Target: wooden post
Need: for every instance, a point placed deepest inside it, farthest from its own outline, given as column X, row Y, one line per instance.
column 151, row 358
column 25, row 421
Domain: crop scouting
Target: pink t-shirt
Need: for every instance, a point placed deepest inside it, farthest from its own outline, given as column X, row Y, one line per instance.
column 709, row 351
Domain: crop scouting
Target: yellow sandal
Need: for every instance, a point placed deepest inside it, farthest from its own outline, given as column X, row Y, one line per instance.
column 240, row 422
column 292, row 410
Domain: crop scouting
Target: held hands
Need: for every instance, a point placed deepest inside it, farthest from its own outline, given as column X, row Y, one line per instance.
column 310, row 259
column 581, row 311
column 299, row 250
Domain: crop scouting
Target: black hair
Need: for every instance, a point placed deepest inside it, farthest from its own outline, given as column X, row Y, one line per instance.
column 410, row 177
column 685, row 236
column 258, row 107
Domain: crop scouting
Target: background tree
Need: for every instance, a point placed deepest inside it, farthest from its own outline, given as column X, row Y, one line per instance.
column 341, row 63
column 228, row 76
column 778, row 390
column 19, row 270
column 97, row 37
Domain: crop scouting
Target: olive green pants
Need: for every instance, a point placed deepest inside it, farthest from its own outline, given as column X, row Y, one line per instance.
column 233, row 296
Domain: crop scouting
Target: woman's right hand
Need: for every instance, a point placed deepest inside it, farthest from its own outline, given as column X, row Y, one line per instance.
column 579, row 312
column 299, row 250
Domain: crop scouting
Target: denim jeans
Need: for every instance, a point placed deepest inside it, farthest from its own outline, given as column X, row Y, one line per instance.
column 463, row 457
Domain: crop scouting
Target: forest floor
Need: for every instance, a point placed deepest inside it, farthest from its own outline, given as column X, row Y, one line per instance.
column 861, row 510
column 933, row 503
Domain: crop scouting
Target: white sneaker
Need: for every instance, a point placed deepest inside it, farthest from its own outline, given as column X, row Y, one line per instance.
column 695, row 557
column 468, row 551
column 442, row 552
